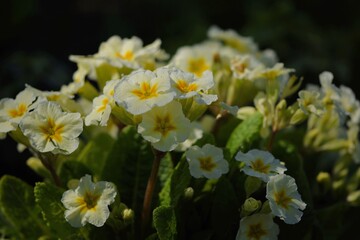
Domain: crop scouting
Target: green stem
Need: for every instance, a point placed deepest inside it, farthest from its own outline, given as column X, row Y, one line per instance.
column 48, row 163
column 146, row 212
column 271, row 140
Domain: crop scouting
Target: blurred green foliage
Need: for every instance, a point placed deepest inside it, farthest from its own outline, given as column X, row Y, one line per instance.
column 37, row 36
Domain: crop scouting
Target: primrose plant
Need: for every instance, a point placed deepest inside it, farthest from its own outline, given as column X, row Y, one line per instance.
column 216, row 142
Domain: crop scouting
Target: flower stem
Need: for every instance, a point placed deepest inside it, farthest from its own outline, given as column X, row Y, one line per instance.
column 48, row 163
column 271, row 140
column 150, row 190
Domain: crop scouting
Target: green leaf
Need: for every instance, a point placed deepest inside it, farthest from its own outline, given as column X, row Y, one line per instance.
column 331, row 220
column 225, row 215
column 17, row 206
column 73, row 170
column 165, row 222
column 175, row 186
column 48, row 197
column 180, row 180
column 96, row 152
column 244, row 134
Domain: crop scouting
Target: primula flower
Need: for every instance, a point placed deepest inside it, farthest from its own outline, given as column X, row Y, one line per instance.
column 350, row 104
column 258, row 227
column 260, row 164
column 165, row 127
column 12, row 111
column 284, row 199
column 130, row 52
column 88, row 202
column 102, row 106
column 207, row 161
column 49, row 129
column 245, row 67
column 233, row 39
column 196, row 59
column 309, row 102
column 187, row 86
column 142, row 90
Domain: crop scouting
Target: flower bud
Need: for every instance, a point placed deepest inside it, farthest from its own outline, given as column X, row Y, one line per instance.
column 189, row 193
column 128, row 215
column 250, row 205
column 354, row 198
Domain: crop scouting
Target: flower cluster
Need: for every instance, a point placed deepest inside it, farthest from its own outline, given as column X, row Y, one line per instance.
column 213, row 131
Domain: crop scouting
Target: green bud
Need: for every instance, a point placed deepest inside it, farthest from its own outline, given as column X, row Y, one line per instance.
column 36, row 165
column 251, row 205
column 124, row 116
column 354, row 198
column 324, row 180
column 189, row 193
column 265, row 209
column 298, row 117
column 88, row 91
column 73, row 183
column 128, row 215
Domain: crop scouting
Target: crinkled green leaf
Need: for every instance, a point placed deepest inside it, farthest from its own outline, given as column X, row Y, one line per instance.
column 48, row 197
column 73, row 170
column 244, row 134
column 96, row 152
column 165, row 222
column 17, row 206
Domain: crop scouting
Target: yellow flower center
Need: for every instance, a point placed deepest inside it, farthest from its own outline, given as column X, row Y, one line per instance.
column 128, row 55
column 88, row 201
column 52, row 131
column 207, row 163
column 256, row 231
column 104, row 103
column 259, row 166
column 19, row 111
column 146, row 91
column 197, row 66
column 164, row 125
column 282, row 199
column 185, row 87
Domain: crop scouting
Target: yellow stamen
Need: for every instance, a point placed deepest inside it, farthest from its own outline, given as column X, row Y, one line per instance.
column 256, row 231
column 259, row 166
column 164, row 125
column 282, row 199
column 19, row 111
column 104, row 103
column 197, row 66
column 207, row 163
column 146, row 91
column 185, row 87
column 52, row 130
column 128, row 55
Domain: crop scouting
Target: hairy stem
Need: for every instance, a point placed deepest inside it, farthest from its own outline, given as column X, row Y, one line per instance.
column 146, row 212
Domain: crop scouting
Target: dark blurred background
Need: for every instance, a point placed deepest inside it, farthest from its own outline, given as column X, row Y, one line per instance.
column 37, row 36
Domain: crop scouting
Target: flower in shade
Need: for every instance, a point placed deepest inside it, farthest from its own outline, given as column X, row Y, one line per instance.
column 88, row 202
column 260, row 164
column 207, row 161
column 165, row 127
column 12, row 111
column 284, row 199
column 142, row 90
column 258, row 227
column 49, row 129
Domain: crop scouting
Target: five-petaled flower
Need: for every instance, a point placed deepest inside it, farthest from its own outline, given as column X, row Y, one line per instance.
column 207, row 161
column 284, row 199
column 258, row 227
column 260, row 164
column 140, row 91
column 49, row 129
column 88, row 202
column 165, row 127
column 12, row 111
